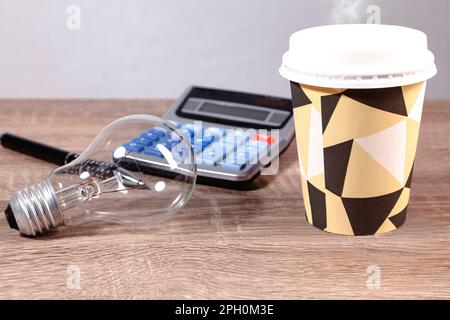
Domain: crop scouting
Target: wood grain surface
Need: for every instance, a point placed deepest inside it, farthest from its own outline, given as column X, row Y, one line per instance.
column 225, row 243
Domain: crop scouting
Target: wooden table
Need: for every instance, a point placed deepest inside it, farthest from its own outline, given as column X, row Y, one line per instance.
column 225, row 243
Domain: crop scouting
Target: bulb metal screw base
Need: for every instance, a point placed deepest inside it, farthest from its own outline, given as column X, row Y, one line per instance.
column 36, row 209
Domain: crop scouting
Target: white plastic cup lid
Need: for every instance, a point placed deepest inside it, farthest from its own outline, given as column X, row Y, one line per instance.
column 358, row 56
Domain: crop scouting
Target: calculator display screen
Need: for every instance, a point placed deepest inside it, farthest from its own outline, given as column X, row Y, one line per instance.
column 234, row 108
column 234, row 111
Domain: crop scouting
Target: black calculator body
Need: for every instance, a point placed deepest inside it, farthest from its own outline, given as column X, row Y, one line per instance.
column 242, row 125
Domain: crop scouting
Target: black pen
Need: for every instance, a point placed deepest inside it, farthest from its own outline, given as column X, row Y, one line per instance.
column 37, row 149
column 99, row 169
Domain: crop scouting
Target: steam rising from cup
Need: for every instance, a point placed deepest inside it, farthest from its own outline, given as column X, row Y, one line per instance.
column 348, row 11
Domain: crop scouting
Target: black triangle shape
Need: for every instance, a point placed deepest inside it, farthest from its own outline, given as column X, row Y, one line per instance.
column 328, row 104
column 399, row 218
column 386, row 99
column 299, row 98
column 335, row 162
column 318, row 207
column 366, row 215
column 408, row 182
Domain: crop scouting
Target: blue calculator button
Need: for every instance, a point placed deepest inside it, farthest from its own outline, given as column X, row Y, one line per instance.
column 189, row 127
column 187, row 132
column 218, row 132
column 258, row 146
column 207, row 140
column 174, row 142
column 209, row 153
column 208, row 161
column 229, row 145
column 169, row 145
column 205, row 144
column 232, row 166
column 175, row 138
column 134, row 147
column 158, row 132
column 150, row 136
column 144, row 141
column 195, row 129
column 241, row 136
column 197, row 148
column 242, row 157
column 151, row 151
column 211, row 137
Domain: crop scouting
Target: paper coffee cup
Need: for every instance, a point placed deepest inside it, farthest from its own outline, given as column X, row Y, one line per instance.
column 357, row 94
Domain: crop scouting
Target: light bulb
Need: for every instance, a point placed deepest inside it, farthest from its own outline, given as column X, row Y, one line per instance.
column 113, row 180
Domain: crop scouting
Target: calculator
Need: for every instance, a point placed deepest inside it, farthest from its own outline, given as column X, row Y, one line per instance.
column 240, row 125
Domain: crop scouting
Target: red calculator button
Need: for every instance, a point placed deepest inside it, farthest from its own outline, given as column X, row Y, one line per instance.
column 264, row 138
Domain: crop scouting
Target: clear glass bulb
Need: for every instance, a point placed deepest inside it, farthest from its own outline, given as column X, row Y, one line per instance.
column 111, row 182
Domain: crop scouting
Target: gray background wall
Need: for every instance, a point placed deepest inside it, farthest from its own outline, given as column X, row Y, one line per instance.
column 149, row 49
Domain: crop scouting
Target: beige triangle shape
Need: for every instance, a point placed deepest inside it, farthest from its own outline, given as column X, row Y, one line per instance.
column 300, row 163
column 416, row 111
column 387, row 226
column 318, row 182
column 316, row 93
column 352, row 119
column 315, row 152
column 306, row 202
column 302, row 119
column 410, row 94
column 412, row 136
column 366, row 177
column 337, row 219
column 322, row 90
column 388, row 148
column 401, row 203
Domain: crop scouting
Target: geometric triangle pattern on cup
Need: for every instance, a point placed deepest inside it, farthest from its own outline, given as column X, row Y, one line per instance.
column 306, row 198
column 328, row 105
column 302, row 131
column 386, row 99
column 318, row 207
column 411, row 93
column 402, row 202
column 408, row 182
column 388, row 147
column 366, row 177
column 412, row 137
column 356, row 151
column 299, row 97
column 416, row 110
column 366, row 215
column 315, row 94
column 337, row 219
column 336, row 163
column 315, row 146
column 399, row 218
column 352, row 119
column 386, row 226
